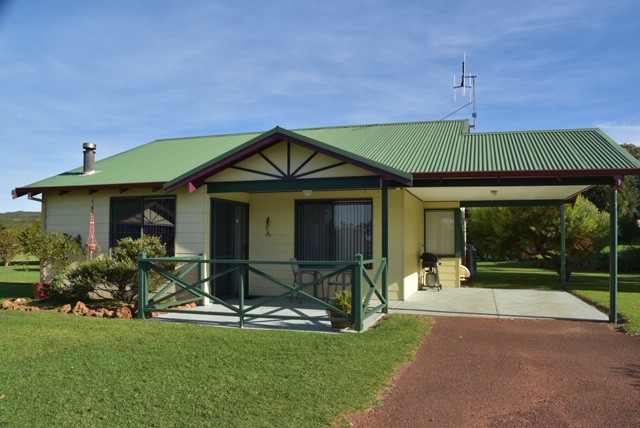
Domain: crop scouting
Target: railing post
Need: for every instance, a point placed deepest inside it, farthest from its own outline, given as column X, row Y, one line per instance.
column 241, row 274
column 356, row 293
column 142, row 285
column 385, row 286
column 201, row 274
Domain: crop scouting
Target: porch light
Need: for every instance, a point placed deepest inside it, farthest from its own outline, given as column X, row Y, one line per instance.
column 307, row 192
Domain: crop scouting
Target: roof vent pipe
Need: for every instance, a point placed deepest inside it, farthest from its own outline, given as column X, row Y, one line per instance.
column 89, row 166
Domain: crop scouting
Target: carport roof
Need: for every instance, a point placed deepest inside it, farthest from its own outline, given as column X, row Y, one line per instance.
column 430, row 153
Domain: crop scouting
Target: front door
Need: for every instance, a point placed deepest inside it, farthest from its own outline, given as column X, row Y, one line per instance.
column 230, row 241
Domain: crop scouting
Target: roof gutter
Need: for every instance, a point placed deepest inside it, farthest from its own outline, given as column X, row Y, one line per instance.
column 527, row 174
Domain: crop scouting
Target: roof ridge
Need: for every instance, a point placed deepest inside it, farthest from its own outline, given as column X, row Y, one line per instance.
column 369, row 125
column 193, row 137
column 528, row 131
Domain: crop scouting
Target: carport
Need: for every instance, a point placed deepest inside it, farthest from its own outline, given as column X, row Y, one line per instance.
column 529, row 168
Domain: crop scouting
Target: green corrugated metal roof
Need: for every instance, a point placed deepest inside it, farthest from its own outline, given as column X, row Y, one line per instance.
column 417, row 147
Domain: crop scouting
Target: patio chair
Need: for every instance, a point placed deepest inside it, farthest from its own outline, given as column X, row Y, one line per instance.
column 298, row 278
column 341, row 279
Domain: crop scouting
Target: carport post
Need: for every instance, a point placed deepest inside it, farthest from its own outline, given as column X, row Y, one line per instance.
column 563, row 247
column 613, row 252
column 385, row 243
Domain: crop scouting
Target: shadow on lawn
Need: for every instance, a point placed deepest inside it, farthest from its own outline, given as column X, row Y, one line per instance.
column 9, row 290
column 627, row 283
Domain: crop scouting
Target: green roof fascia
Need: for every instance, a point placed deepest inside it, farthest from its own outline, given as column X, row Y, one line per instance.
column 195, row 178
column 337, row 183
column 502, row 178
column 513, row 203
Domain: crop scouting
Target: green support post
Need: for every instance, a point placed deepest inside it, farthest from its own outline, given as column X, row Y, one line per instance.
column 613, row 254
column 202, row 274
column 385, row 244
column 356, row 294
column 563, row 247
column 241, row 292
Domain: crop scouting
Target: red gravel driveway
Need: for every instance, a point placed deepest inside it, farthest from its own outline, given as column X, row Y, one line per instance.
column 481, row 372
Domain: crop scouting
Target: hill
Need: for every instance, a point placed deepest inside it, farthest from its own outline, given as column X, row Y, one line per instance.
column 18, row 218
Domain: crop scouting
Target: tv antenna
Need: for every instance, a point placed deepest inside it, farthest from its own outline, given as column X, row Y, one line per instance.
column 463, row 86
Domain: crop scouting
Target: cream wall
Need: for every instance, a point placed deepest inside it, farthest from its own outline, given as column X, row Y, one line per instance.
column 449, row 269
column 69, row 213
column 413, row 242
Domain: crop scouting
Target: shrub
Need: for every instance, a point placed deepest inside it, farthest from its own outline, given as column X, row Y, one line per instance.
column 116, row 276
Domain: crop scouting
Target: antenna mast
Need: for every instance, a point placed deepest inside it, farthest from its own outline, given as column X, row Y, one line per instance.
column 464, row 86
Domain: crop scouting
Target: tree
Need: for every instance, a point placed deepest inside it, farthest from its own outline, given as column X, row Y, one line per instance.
column 9, row 245
column 526, row 232
column 55, row 250
column 628, row 199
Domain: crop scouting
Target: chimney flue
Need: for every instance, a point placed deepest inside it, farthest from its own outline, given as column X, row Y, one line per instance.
column 89, row 166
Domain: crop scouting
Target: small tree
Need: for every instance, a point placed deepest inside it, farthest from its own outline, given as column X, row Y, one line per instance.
column 55, row 250
column 9, row 245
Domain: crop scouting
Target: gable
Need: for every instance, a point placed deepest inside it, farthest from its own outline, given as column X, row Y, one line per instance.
column 287, row 161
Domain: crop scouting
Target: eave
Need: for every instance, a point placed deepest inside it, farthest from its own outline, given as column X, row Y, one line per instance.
column 121, row 187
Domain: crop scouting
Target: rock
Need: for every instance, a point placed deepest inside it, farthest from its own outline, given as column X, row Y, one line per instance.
column 80, row 309
column 65, row 309
column 124, row 312
column 20, row 301
column 31, row 308
column 7, row 304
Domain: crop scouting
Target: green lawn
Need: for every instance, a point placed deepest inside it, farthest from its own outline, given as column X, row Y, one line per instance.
column 593, row 287
column 62, row 370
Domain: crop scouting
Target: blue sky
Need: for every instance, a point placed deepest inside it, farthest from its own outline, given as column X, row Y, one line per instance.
column 123, row 73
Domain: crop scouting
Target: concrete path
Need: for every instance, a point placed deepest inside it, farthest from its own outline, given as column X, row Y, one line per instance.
column 485, row 302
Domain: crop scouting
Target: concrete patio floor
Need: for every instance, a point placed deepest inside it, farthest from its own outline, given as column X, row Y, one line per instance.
column 466, row 302
column 498, row 303
column 284, row 308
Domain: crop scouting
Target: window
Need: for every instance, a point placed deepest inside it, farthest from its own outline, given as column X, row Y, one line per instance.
column 440, row 232
column 139, row 216
column 333, row 230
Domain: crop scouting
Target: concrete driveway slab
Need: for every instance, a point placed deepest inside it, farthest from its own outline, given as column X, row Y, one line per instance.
column 499, row 303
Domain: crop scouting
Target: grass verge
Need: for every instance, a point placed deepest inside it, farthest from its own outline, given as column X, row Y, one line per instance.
column 593, row 287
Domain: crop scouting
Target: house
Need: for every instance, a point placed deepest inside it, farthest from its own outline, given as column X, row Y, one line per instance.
column 383, row 190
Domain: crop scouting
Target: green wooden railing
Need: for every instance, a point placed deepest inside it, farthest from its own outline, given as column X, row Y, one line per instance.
column 365, row 285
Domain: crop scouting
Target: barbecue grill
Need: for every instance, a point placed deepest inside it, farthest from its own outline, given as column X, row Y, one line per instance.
column 430, row 276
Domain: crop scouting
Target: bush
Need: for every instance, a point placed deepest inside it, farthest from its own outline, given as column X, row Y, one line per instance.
column 115, row 277
column 9, row 245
